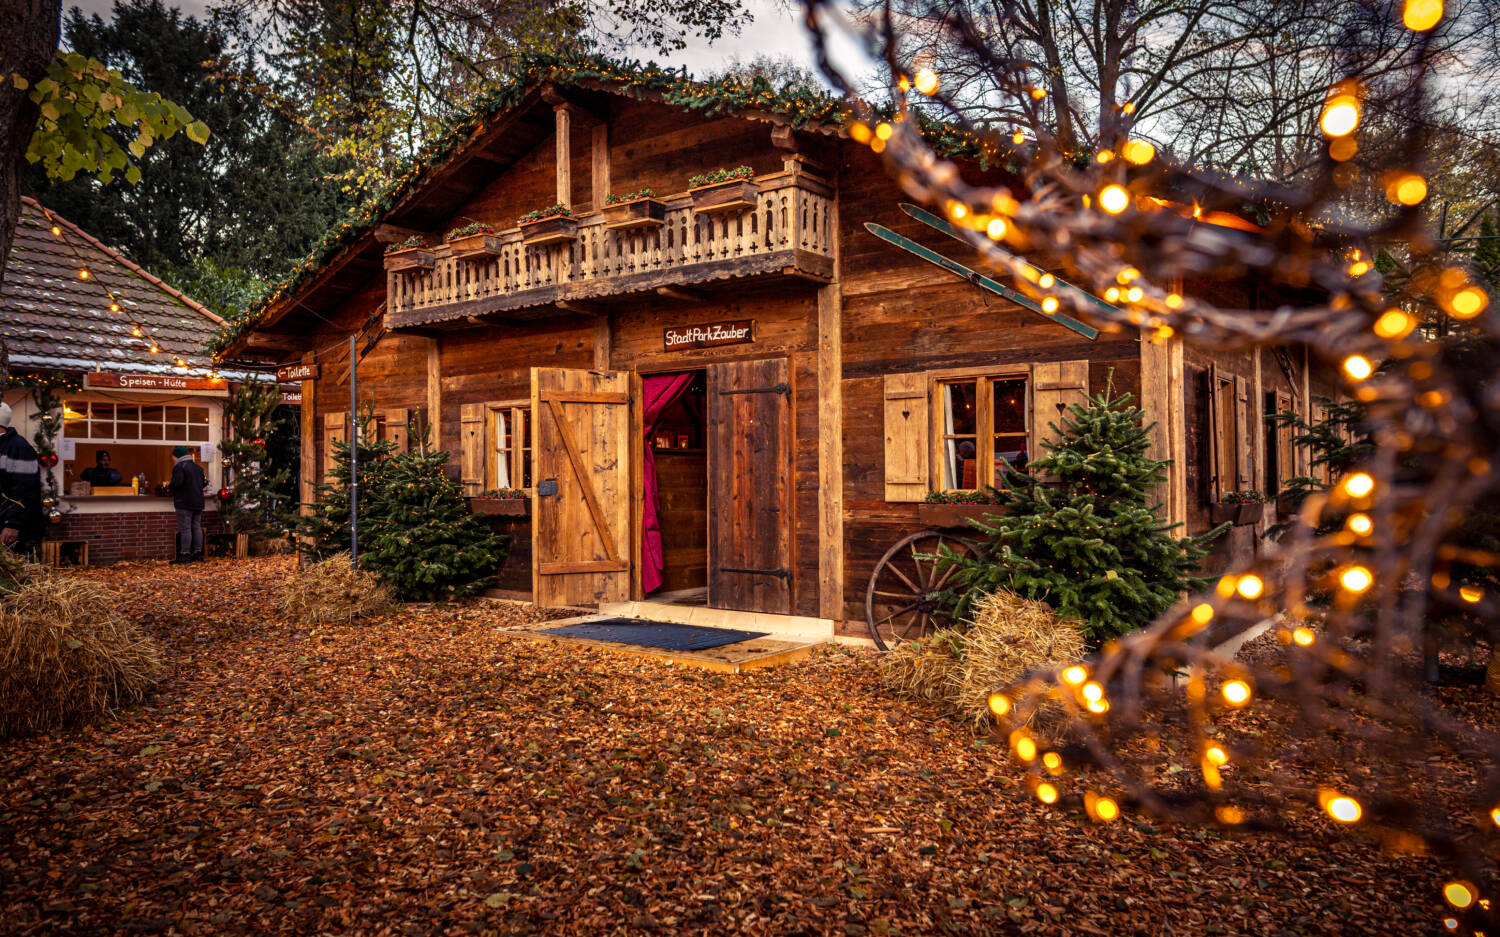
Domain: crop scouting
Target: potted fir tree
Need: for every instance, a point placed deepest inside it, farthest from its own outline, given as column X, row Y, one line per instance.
column 724, row 190
column 411, row 254
column 473, row 241
column 551, row 225
column 638, row 209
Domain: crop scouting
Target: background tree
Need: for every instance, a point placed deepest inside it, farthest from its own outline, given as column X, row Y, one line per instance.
column 258, row 479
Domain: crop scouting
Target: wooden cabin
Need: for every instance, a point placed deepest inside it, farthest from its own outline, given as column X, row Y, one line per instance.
column 746, row 370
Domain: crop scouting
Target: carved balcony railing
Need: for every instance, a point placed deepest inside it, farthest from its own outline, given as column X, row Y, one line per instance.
column 789, row 231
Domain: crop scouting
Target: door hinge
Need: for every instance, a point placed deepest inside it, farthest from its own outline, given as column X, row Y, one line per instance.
column 783, row 389
column 778, row 573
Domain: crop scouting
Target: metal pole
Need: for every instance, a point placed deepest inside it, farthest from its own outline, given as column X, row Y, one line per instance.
column 353, row 453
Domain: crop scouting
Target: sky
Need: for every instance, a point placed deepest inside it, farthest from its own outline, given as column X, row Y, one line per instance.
column 775, row 31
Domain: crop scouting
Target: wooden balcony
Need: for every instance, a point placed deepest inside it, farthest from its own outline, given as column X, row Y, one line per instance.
column 788, row 232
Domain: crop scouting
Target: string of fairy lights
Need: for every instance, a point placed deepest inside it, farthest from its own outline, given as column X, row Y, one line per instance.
column 1343, row 576
column 138, row 329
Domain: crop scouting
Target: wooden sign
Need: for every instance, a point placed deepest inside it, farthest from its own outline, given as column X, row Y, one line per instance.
column 95, row 379
column 737, row 332
column 297, row 372
column 291, row 396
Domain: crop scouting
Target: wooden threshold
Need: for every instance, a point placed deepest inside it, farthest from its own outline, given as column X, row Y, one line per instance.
column 740, row 657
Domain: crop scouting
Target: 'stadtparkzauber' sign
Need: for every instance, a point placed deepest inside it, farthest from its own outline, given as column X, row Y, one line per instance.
column 714, row 334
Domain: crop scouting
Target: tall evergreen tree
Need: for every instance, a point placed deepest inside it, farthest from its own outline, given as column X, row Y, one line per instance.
column 1078, row 530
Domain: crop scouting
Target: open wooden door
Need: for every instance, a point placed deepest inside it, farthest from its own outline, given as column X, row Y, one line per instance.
column 581, row 531
column 750, row 486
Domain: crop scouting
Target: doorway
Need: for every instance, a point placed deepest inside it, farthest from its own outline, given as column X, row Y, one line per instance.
column 677, row 456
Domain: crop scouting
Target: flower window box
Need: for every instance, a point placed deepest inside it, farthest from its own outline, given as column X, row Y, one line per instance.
column 410, row 257
column 641, row 212
column 473, row 242
column 724, row 190
column 552, row 225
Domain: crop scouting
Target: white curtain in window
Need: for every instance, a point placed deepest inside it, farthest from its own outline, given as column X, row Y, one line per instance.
column 502, row 450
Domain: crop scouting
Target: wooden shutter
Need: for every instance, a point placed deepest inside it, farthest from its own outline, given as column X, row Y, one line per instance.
column 1243, row 444
column 471, row 448
column 581, row 530
column 334, row 430
column 749, row 486
column 1212, row 448
column 906, row 427
column 1055, row 386
column 396, row 429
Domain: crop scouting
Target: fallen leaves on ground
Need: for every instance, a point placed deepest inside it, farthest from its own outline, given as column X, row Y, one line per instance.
column 425, row 773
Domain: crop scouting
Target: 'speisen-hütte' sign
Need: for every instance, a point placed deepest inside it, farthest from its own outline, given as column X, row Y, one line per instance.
column 707, row 336
column 152, row 382
column 297, row 372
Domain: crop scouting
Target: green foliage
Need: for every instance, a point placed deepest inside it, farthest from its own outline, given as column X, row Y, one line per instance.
column 411, row 243
column 1080, row 534
column 473, row 227
column 79, row 100
column 551, row 211
column 1340, row 442
column 720, row 175
column 259, row 481
column 415, row 530
column 216, row 220
column 962, row 496
column 613, row 199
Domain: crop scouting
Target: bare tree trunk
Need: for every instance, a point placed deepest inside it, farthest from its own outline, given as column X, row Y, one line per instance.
column 29, row 31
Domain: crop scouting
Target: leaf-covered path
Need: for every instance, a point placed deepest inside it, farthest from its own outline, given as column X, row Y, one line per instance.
column 427, row 775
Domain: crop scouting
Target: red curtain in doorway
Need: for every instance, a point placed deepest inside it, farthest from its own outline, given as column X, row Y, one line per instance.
column 659, row 391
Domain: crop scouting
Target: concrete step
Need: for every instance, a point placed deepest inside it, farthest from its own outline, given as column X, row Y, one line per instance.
column 800, row 629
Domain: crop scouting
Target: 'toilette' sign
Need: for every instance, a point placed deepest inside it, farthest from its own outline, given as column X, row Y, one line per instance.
column 297, row 372
column 98, row 379
column 737, row 332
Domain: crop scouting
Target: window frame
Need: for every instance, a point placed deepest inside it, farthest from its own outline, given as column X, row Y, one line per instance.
column 519, row 458
column 984, row 379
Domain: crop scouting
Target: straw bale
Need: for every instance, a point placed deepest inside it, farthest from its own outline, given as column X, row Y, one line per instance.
column 333, row 590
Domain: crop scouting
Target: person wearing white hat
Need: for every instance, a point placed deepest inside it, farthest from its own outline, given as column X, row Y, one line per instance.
column 20, row 488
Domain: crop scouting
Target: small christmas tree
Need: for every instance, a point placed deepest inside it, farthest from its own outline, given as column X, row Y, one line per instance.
column 258, row 481
column 1079, row 532
column 415, row 530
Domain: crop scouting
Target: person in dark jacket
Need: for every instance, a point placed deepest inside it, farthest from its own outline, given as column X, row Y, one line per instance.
column 20, row 489
column 101, row 472
column 188, row 482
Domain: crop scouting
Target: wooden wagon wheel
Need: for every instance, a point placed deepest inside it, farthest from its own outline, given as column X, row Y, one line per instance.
column 901, row 600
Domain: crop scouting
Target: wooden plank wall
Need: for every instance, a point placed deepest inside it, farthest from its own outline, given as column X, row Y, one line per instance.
column 682, row 478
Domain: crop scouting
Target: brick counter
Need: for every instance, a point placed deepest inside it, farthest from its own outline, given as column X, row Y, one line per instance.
column 114, row 537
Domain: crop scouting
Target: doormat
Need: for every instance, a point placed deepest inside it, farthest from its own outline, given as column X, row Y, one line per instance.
column 658, row 634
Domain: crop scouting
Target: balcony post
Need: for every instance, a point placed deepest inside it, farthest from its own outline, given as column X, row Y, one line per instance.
column 564, row 155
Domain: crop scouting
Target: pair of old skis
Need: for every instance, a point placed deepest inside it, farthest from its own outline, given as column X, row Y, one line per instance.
column 974, row 276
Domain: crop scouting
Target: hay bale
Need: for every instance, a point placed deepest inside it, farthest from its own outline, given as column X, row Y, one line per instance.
column 67, row 655
column 333, row 590
column 1008, row 638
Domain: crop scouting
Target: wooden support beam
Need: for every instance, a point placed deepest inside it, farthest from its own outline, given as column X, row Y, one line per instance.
column 271, row 341
column 602, row 347
column 581, row 307
column 683, row 293
column 434, row 393
column 564, row 155
column 1162, row 401
column 830, row 453
column 307, row 475
column 782, row 139
column 601, row 165
column 393, row 233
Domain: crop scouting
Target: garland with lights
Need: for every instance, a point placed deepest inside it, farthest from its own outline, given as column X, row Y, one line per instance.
column 1349, row 586
column 48, row 408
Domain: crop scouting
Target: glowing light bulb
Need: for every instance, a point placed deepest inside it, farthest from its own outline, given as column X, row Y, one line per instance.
column 1358, row 367
column 57, row 231
column 1230, row 816
column 1407, row 190
column 1344, row 809
column 1112, row 294
column 860, row 132
column 1359, row 268
column 1304, row 637
column 1135, row 294
column 1202, row 613
column 1359, row 484
column 1093, row 692
column 1421, row 15
column 1470, row 594
column 1356, row 579
column 1018, row 138
column 1216, row 755
column 154, row 349
column 1393, row 323
column 1495, row 815
column 1046, row 793
column 136, row 331
column 1127, row 275
column 999, row 704
column 1174, row 301
column 83, row 273
column 1360, row 524
column 1138, row 152
column 1250, row 586
column 1340, row 115
column 1098, row 706
column 1038, row 93
column 926, row 81
column 1074, row 675
column 958, row 211
column 1459, row 894
column 114, row 307
column 1114, row 199
column 1049, row 304
column 1052, row 761
column 1105, row 156
column 1236, row 692
column 1468, row 303
column 1025, row 748
column 1046, row 280
column 996, row 228
column 883, row 131
column 1106, row 809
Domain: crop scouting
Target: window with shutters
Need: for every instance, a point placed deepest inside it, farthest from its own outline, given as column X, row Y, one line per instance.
column 955, row 430
column 1281, row 456
column 508, row 437
column 1227, row 446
